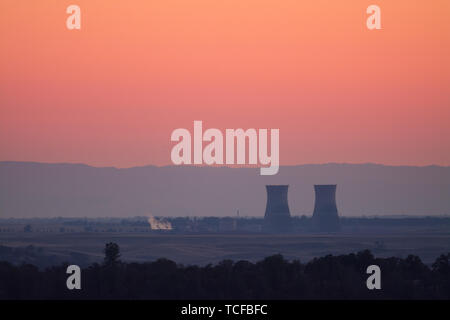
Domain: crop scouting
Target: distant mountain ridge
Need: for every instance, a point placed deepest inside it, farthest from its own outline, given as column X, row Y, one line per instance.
column 30, row 189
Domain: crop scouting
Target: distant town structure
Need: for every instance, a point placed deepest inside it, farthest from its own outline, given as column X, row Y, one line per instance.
column 325, row 216
column 227, row 224
column 277, row 217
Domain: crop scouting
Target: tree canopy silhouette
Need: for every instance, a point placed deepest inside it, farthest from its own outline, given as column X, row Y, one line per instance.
column 328, row 277
column 112, row 254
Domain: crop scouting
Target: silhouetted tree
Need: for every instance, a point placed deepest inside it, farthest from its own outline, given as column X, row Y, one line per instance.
column 442, row 264
column 112, row 254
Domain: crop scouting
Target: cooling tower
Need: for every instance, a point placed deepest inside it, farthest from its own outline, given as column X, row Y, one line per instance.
column 277, row 217
column 325, row 216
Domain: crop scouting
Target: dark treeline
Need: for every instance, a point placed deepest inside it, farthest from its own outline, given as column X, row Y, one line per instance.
column 329, row 277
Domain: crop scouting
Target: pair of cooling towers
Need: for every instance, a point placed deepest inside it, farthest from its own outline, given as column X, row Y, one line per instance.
column 278, row 217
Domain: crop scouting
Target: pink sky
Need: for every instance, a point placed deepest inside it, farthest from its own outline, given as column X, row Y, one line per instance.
column 111, row 93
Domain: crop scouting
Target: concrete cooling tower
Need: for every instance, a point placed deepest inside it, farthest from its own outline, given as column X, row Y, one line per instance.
column 277, row 217
column 325, row 216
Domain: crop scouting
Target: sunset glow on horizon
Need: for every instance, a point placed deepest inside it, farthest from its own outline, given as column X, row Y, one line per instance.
column 111, row 93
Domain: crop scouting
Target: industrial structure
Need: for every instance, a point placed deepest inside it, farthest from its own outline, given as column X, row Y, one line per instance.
column 277, row 217
column 325, row 216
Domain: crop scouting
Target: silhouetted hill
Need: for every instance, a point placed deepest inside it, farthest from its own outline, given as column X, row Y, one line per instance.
column 30, row 189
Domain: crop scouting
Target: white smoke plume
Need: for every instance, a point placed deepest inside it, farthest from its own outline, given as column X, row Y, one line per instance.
column 159, row 224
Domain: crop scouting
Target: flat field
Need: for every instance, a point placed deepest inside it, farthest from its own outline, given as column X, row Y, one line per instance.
column 201, row 249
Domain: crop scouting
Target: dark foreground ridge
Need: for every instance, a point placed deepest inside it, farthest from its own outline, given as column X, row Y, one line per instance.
column 329, row 277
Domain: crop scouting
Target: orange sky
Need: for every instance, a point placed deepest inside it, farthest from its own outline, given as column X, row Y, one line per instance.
column 112, row 93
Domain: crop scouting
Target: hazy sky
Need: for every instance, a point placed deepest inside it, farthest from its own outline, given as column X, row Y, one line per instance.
column 112, row 92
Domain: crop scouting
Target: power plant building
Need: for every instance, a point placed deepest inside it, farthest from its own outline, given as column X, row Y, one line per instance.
column 277, row 217
column 325, row 216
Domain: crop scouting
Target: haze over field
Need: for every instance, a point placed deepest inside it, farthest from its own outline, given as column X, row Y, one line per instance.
column 30, row 189
column 202, row 249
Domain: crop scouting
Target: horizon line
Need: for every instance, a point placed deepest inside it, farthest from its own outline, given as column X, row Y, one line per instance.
column 223, row 165
column 389, row 216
